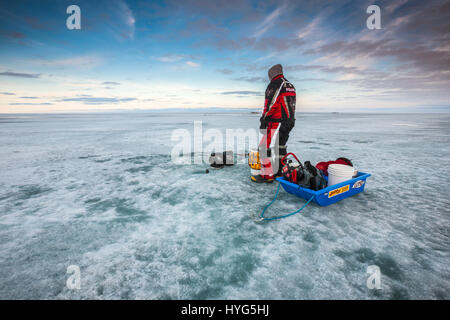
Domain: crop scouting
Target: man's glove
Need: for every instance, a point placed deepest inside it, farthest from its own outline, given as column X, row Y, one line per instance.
column 263, row 123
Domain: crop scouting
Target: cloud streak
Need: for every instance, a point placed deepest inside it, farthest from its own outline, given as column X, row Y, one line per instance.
column 192, row 64
column 13, row 34
column 225, row 71
column 269, row 22
column 250, row 93
column 30, row 104
column 20, row 75
column 97, row 100
column 83, row 62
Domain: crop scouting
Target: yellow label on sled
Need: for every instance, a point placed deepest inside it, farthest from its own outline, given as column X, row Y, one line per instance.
column 337, row 191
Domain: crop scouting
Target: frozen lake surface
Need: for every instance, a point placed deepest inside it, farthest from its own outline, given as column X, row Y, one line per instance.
column 100, row 191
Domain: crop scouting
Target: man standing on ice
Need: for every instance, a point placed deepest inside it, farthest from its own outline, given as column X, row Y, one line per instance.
column 277, row 121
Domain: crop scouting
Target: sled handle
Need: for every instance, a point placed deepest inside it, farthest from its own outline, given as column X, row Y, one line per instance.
column 290, row 153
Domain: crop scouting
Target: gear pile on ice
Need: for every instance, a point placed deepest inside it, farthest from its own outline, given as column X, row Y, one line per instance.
column 221, row 159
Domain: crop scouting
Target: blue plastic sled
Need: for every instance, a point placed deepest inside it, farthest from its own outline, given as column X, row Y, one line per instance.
column 331, row 194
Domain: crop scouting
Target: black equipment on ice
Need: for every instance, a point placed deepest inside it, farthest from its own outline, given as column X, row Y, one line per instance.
column 314, row 177
column 304, row 175
column 291, row 171
column 221, row 159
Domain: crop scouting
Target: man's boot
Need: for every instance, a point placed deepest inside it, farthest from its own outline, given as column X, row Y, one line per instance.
column 282, row 151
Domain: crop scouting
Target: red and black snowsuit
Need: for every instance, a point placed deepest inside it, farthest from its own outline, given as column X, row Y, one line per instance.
column 278, row 119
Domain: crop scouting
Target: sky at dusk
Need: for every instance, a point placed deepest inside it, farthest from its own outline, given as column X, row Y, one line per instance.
column 215, row 54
